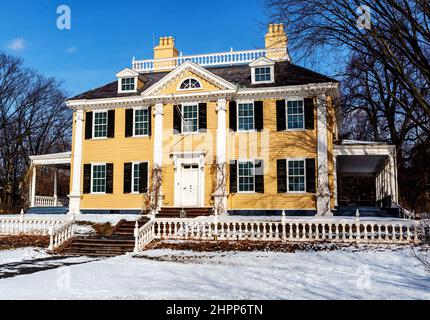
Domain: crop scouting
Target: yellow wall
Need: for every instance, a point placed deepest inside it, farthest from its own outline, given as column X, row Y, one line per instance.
column 118, row 151
column 268, row 145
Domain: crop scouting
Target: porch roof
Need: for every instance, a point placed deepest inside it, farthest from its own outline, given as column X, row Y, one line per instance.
column 52, row 159
column 363, row 148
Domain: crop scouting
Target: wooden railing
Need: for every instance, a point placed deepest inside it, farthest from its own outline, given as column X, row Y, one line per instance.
column 342, row 230
column 59, row 235
column 23, row 225
column 44, row 201
column 212, row 59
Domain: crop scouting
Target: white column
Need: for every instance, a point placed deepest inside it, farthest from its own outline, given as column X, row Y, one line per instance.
column 33, row 186
column 75, row 195
column 393, row 178
column 323, row 191
column 220, row 195
column 335, row 181
column 55, row 187
column 158, row 143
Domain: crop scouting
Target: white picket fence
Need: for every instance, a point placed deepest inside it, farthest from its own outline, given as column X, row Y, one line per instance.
column 337, row 230
column 27, row 225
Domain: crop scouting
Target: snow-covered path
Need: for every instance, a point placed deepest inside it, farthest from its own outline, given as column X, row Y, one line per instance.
column 166, row 274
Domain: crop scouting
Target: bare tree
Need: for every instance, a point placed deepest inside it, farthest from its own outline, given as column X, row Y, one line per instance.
column 398, row 34
column 33, row 120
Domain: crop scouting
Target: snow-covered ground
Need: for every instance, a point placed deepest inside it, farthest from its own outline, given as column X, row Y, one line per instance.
column 167, row 274
column 21, row 254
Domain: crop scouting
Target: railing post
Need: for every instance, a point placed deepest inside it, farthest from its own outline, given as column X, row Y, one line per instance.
column 216, row 227
column 284, row 226
column 136, row 237
column 357, row 226
column 21, row 221
column 51, row 238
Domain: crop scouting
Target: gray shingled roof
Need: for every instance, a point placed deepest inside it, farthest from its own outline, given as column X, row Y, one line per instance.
column 286, row 74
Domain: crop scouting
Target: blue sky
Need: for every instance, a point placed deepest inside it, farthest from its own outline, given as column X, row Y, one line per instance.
column 105, row 35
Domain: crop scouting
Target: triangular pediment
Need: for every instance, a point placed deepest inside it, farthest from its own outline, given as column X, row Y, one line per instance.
column 127, row 72
column 261, row 62
column 171, row 83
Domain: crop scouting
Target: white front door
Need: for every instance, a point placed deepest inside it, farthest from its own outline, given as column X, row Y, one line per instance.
column 189, row 185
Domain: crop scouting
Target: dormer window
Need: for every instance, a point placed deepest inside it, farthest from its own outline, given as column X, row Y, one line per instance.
column 263, row 74
column 262, row 71
column 127, row 81
column 128, row 84
column 190, row 84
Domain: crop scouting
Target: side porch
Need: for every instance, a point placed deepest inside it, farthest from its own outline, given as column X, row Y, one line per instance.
column 49, row 191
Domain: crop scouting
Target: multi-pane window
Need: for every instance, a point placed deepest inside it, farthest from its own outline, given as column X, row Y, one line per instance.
column 295, row 114
column 190, row 114
column 100, row 124
column 141, row 122
column 127, row 84
column 190, row 84
column 246, row 116
column 246, row 176
column 296, row 176
column 99, row 179
column 136, row 177
column 263, row 74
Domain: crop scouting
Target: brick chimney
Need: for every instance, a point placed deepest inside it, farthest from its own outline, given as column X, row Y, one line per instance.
column 276, row 38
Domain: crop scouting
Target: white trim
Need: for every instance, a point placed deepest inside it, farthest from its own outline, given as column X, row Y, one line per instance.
column 190, row 104
column 292, row 99
column 53, row 158
column 288, row 175
column 272, row 75
column 94, row 124
column 132, row 176
column 238, row 102
column 237, row 174
column 91, row 180
column 189, row 89
column 188, row 66
column 134, row 122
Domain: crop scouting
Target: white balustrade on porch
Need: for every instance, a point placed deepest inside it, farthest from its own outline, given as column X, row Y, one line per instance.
column 46, row 201
column 291, row 229
column 205, row 60
column 23, row 225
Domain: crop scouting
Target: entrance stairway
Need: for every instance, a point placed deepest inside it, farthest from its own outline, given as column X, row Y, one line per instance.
column 118, row 243
column 189, row 212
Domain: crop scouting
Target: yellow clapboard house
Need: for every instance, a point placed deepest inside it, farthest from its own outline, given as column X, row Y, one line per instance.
column 239, row 132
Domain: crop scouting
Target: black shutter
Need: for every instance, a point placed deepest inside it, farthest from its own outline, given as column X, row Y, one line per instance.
column 203, row 117
column 233, row 115
column 233, row 176
column 281, row 168
column 143, row 170
column 111, row 124
column 309, row 113
column 281, row 124
column 88, row 125
column 258, row 115
column 310, row 176
column 149, row 121
column 177, row 121
column 129, row 123
column 87, row 178
column 109, row 178
column 259, row 176
column 127, row 177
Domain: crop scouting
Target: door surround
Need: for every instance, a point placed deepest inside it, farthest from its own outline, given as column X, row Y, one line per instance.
column 189, row 158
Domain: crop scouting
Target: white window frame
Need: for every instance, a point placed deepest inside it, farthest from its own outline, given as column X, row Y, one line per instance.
column 92, row 177
column 191, row 104
column 272, row 74
column 189, row 89
column 94, row 124
column 288, row 175
column 253, row 115
column 134, row 122
column 292, row 99
column 133, row 163
column 127, row 91
column 237, row 174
